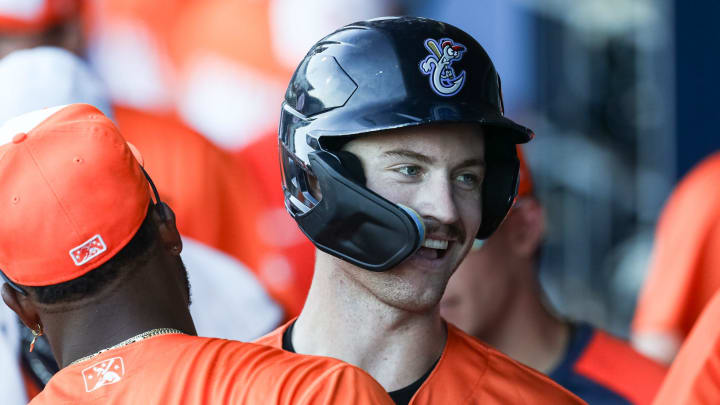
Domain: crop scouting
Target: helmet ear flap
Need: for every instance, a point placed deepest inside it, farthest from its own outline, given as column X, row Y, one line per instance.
column 500, row 184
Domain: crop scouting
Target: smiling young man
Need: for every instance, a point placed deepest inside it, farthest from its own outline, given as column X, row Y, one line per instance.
column 94, row 264
column 395, row 156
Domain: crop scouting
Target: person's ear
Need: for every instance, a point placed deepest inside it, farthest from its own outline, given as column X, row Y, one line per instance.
column 164, row 218
column 529, row 227
column 22, row 306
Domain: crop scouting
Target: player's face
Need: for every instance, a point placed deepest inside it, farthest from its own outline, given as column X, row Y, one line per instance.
column 480, row 291
column 437, row 171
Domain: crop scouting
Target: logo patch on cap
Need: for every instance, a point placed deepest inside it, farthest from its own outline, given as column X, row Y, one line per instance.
column 438, row 66
column 88, row 250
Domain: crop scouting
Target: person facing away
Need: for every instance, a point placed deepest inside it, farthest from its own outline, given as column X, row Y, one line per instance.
column 496, row 296
column 395, row 156
column 682, row 275
column 94, row 264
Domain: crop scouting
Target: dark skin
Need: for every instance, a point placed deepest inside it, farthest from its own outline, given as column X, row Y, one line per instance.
column 151, row 296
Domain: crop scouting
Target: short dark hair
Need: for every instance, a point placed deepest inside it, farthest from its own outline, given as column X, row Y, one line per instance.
column 139, row 250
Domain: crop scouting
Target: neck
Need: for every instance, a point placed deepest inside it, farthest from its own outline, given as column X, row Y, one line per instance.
column 122, row 310
column 342, row 319
column 528, row 332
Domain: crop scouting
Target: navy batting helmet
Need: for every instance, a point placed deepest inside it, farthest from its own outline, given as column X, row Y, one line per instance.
column 377, row 75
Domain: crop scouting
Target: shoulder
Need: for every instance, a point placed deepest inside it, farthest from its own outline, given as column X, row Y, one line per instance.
column 265, row 374
column 470, row 369
column 524, row 384
column 304, row 379
column 274, row 338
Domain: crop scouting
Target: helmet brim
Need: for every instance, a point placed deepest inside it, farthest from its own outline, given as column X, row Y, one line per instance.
column 386, row 117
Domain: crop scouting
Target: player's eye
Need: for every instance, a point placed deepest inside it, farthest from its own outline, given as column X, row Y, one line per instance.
column 468, row 181
column 409, row 170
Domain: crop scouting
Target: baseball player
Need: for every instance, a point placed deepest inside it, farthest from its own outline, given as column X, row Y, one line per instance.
column 93, row 263
column 223, row 288
column 496, row 296
column 683, row 273
column 694, row 377
column 395, row 156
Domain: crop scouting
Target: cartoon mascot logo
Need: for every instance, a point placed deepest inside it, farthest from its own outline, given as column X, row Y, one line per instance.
column 438, row 66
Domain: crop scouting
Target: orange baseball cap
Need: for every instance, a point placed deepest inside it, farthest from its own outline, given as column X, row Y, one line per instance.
column 73, row 193
column 35, row 15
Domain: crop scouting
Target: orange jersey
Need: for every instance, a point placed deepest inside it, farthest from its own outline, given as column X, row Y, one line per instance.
column 470, row 372
column 694, row 377
column 183, row 369
column 683, row 272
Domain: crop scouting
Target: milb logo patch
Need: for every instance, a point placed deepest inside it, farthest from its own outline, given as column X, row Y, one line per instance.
column 89, row 250
column 103, row 373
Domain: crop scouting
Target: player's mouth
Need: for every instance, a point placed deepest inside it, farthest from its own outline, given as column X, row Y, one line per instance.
column 433, row 249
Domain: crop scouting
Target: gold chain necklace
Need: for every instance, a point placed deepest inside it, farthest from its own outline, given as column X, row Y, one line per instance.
column 136, row 338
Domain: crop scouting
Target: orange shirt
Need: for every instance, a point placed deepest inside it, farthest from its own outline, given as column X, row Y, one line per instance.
column 470, row 372
column 183, row 369
column 683, row 272
column 694, row 377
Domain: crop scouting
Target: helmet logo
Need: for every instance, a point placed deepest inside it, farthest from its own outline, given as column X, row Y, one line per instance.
column 438, row 66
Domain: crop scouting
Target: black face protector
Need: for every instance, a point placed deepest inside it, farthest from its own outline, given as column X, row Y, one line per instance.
column 348, row 221
column 380, row 75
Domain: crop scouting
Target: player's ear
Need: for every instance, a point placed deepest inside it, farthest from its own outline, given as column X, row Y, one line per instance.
column 164, row 219
column 22, row 305
column 529, row 219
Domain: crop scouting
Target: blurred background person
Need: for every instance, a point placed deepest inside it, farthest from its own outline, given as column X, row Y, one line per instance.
column 684, row 271
column 496, row 296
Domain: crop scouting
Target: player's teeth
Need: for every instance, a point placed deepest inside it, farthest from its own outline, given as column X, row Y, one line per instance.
column 435, row 244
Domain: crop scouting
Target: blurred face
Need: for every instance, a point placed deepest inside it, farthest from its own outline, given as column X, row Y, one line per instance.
column 437, row 171
column 480, row 290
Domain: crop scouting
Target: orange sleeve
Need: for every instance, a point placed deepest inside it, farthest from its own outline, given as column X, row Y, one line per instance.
column 694, row 377
column 686, row 252
column 617, row 366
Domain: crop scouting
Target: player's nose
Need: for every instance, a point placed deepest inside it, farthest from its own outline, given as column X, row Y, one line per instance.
column 438, row 202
